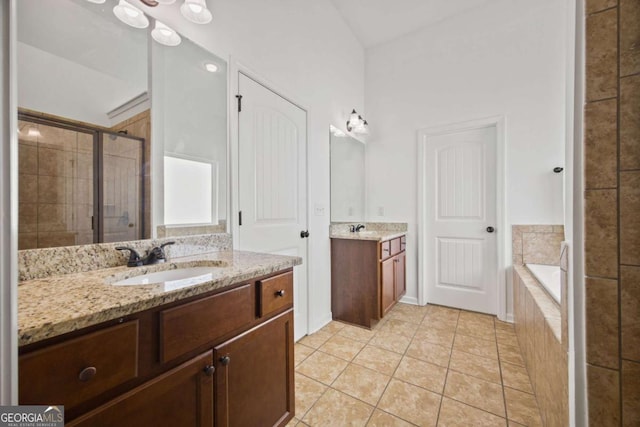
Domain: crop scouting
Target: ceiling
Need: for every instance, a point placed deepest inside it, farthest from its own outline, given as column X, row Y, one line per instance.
column 379, row 21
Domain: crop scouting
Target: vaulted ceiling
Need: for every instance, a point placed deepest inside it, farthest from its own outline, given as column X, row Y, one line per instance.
column 378, row 21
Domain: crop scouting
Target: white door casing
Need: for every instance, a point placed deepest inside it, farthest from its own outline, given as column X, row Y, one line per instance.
column 272, row 182
column 460, row 196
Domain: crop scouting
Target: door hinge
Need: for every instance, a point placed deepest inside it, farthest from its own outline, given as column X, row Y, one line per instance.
column 239, row 98
column 239, row 217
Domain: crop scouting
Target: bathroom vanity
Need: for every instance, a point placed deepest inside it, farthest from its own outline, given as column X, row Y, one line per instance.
column 367, row 275
column 217, row 353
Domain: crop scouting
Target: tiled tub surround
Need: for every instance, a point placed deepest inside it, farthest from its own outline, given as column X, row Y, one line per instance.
column 373, row 230
column 55, row 305
column 540, row 322
column 612, row 202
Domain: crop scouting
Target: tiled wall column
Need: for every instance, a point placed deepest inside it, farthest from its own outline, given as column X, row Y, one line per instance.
column 612, row 211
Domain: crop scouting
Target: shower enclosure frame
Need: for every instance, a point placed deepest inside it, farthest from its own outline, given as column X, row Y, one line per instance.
column 98, row 133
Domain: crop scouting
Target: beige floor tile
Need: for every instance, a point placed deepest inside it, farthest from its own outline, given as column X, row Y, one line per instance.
column 411, row 403
column 390, row 341
column 479, row 318
column 522, row 407
column 294, row 421
column 301, row 352
column 332, row 327
column 383, row 361
column 356, row 333
column 435, row 336
column 507, row 338
column 337, row 409
column 504, row 326
column 477, row 366
column 515, row 424
column 308, row 391
column 429, row 352
column 342, row 347
column 434, row 322
column 515, row 376
column 322, row 367
column 315, row 340
column 399, row 327
column 423, row 374
column 382, row 419
column 510, row 354
column 476, row 328
column 475, row 392
column 408, row 317
column 475, row 345
column 443, row 312
column 456, row 414
column 362, row 383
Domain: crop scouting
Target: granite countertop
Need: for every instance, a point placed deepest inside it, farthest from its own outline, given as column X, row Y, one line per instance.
column 377, row 235
column 56, row 305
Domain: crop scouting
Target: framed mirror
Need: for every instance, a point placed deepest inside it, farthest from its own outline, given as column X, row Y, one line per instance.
column 94, row 145
column 347, row 178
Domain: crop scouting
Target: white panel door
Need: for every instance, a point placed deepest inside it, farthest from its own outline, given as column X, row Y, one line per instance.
column 461, row 253
column 272, row 182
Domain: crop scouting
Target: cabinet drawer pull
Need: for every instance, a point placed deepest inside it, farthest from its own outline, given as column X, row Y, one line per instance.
column 225, row 360
column 209, row 370
column 87, row 374
column 280, row 293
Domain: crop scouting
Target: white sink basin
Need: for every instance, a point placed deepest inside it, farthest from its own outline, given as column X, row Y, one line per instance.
column 172, row 279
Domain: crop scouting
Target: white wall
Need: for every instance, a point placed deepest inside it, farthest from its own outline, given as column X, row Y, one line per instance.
column 304, row 48
column 505, row 58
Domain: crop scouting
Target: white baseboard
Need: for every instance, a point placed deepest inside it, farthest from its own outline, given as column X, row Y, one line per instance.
column 409, row 300
column 320, row 323
column 509, row 318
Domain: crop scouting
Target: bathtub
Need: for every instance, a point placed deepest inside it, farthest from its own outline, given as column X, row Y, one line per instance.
column 549, row 277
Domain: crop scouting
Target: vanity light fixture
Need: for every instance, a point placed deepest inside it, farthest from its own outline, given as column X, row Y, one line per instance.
column 357, row 124
column 165, row 35
column 96, row 1
column 130, row 15
column 196, row 11
column 211, row 67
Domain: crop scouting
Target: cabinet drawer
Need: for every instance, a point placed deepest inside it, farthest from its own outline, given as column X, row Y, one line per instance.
column 275, row 293
column 395, row 246
column 385, row 251
column 79, row 369
column 188, row 326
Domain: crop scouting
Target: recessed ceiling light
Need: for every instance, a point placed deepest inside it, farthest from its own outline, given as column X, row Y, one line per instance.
column 165, row 35
column 211, row 67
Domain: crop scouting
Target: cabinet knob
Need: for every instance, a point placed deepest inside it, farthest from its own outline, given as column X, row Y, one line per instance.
column 209, row 370
column 87, row 374
column 225, row 360
column 280, row 293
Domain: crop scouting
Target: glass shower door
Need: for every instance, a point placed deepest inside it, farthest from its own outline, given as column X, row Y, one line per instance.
column 122, row 191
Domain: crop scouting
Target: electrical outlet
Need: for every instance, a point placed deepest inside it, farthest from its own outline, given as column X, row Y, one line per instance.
column 318, row 210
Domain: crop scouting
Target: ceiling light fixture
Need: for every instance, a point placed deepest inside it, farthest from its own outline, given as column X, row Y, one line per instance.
column 357, row 124
column 211, row 67
column 130, row 15
column 196, row 11
column 96, row 1
column 165, row 35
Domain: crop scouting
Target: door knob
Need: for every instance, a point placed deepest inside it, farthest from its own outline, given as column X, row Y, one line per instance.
column 280, row 293
column 225, row 360
column 304, row 233
column 209, row 370
column 490, row 229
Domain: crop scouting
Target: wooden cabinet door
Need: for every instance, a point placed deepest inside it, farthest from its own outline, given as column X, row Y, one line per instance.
column 400, row 271
column 254, row 380
column 181, row 397
column 388, row 293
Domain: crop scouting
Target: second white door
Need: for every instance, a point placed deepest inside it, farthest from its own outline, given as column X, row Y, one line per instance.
column 273, row 182
column 460, row 195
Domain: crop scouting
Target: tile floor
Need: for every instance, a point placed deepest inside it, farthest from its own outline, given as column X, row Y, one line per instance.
column 423, row 366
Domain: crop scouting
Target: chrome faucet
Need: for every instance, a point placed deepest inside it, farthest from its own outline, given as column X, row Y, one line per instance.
column 355, row 228
column 153, row 256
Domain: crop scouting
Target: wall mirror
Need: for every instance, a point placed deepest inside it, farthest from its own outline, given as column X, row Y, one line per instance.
column 347, row 178
column 95, row 147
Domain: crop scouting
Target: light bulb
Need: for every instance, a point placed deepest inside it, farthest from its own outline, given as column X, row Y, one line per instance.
column 130, row 15
column 196, row 11
column 165, row 35
column 210, row 67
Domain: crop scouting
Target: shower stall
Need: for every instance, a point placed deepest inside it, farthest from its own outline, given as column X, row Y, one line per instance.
column 78, row 184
